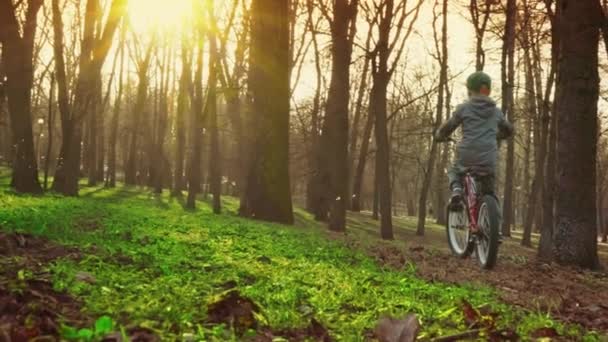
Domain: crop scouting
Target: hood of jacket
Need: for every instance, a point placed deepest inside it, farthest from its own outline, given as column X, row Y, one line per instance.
column 482, row 106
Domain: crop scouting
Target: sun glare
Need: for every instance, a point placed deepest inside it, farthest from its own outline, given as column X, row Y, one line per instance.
column 147, row 15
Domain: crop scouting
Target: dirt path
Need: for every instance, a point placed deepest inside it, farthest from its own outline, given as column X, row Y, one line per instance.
column 569, row 294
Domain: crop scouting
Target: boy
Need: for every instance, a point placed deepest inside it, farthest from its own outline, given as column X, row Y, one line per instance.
column 482, row 125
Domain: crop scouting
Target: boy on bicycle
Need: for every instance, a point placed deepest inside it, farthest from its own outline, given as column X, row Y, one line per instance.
column 483, row 124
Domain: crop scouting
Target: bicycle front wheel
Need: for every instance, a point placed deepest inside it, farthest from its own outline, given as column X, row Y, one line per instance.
column 488, row 239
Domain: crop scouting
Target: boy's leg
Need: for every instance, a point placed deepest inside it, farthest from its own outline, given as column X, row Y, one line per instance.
column 455, row 174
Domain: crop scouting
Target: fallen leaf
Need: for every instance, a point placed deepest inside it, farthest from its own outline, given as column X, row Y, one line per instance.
column 398, row 330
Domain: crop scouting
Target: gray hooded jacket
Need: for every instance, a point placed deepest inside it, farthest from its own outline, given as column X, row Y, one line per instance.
column 482, row 125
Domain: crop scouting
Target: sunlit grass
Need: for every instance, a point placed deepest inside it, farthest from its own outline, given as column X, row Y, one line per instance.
column 159, row 266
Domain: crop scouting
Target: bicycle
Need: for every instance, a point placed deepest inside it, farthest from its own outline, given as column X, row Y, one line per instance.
column 475, row 226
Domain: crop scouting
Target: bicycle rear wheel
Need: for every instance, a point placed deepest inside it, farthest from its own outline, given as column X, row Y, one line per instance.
column 488, row 239
column 458, row 233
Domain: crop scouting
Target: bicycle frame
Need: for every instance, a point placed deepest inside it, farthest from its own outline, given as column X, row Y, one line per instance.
column 471, row 199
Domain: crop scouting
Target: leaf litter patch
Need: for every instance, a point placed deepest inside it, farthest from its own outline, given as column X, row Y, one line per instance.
column 570, row 295
column 240, row 314
column 29, row 306
column 31, row 309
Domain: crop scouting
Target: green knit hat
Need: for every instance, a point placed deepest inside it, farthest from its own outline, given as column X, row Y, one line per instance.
column 477, row 80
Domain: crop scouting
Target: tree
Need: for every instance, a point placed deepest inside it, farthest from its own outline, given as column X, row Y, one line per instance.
column 17, row 57
column 388, row 18
column 480, row 15
column 442, row 59
column 215, row 175
column 111, row 176
column 94, row 50
column 183, row 105
column 143, row 65
column 356, row 175
column 333, row 149
column 196, row 118
column 545, row 245
column 577, row 92
column 268, row 191
column 508, row 80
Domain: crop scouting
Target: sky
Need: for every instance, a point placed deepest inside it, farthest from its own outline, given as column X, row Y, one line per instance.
column 461, row 44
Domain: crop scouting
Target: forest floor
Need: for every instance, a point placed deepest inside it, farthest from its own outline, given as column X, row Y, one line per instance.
column 124, row 262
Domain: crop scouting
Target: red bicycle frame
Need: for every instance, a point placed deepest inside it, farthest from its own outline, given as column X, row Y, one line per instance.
column 471, row 198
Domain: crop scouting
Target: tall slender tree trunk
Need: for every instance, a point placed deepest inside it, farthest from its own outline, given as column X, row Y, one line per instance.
column 508, row 72
column 196, row 132
column 430, row 166
column 161, row 167
column 334, row 138
column 575, row 234
column 545, row 245
column 215, row 170
column 50, row 132
column 363, row 154
column 111, row 176
column 355, row 131
column 180, row 120
column 378, row 102
column 131, row 169
column 93, row 137
column 268, row 193
column 441, row 194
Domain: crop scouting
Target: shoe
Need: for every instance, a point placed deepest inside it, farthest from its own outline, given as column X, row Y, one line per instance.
column 456, row 200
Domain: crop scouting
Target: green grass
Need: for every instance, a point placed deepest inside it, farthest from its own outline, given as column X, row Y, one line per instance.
column 178, row 261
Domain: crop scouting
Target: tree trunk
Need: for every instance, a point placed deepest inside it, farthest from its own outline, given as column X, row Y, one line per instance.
column 111, row 176
column 92, row 56
column 508, row 71
column 355, row 131
column 93, row 121
column 378, row 102
column 268, row 193
column 575, row 235
column 131, row 174
column 18, row 62
column 545, row 245
column 50, row 125
column 215, row 173
column 161, row 167
column 376, row 197
column 334, row 137
column 196, row 132
column 443, row 79
column 315, row 203
column 363, row 154
column 180, row 120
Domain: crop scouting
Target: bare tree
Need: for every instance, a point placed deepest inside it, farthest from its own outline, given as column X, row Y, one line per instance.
column 333, row 150
column 111, row 176
column 17, row 56
column 388, row 18
column 508, row 80
column 143, row 66
column 442, row 59
column 196, row 118
column 92, row 57
column 577, row 92
column 268, row 193
column 215, row 170
column 183, row 106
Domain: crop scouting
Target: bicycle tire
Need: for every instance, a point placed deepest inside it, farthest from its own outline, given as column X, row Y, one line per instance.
column 492, row 232
column 461, row 252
